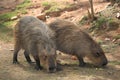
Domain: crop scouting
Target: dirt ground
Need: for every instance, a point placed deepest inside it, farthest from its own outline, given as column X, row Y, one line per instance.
column 8, row 5
column 70, row 69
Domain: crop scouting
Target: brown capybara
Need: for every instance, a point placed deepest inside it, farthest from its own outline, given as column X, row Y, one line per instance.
column 70, row 39
column 36, row 38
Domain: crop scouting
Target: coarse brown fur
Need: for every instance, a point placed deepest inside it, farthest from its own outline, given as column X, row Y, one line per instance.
column 70, row 39
column 36, row 38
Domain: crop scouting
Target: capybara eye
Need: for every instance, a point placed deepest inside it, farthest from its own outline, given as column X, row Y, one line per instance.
column 97, row 54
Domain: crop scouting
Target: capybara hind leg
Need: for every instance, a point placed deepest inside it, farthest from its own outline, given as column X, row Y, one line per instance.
column 38, row 66
column 26, row 54
column 15, row 60
column 81, row 62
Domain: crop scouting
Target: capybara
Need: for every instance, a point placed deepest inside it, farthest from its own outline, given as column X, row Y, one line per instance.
column 70, row 39
column 36, row 38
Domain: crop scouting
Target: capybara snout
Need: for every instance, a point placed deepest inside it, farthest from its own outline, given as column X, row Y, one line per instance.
column 49, row 59
column 104, row 63
column 97, row 55
column 72, row 40
column 98, row 59
column 37, row 39
column 49, row 62
column 52, row 65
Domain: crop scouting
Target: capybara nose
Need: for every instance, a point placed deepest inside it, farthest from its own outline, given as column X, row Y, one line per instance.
column 105, row 63
column 51, row 69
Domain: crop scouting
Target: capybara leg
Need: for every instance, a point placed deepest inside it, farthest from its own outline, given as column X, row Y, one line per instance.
column 15, row 60
column 38, row 66
column 81, row 62
column 27, row 57
column 59, row 68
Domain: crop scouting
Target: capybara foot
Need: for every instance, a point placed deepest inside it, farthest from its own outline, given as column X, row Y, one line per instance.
column 38, row 67
column 15, row 62
column 82, row 64
column 59, row 67
column 31, row 62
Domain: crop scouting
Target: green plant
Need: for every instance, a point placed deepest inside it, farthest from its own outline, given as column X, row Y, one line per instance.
column 49, row 3
column 100, row 42
column 99, row 24
column 112, row 24
column 115, row 62
column 7, row 16
column 6, row 25
column 19, row 9
column 54, row 8
column 51, row 6
column 23, row 5
column 6, row 32
column 84, row 20
column 117, row 36
column 46, row 4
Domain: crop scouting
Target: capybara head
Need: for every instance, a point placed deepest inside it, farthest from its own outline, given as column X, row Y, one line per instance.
column 96, row 54
column 98, row 57
column 48, row 59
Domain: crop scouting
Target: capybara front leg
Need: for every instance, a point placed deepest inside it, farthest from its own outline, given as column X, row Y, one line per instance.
column 15, row 60
column 38, row 66
column 81, row 62
column 27, row 57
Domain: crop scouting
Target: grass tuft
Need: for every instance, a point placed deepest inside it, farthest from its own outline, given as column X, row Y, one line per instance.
column 6, row 25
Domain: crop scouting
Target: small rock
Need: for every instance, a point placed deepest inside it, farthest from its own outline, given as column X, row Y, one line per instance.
column 42, row 17
column 114, row 40
column 58, row 52
column 74, row 58
column 118, row 15
column 107, row 39
column 47, row 17
column 11, row 49
column 96, row 68
column 104, row 45
column 14, row 17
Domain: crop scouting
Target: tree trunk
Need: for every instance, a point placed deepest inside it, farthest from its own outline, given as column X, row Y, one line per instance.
column 89, row 14
column 92, row 9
